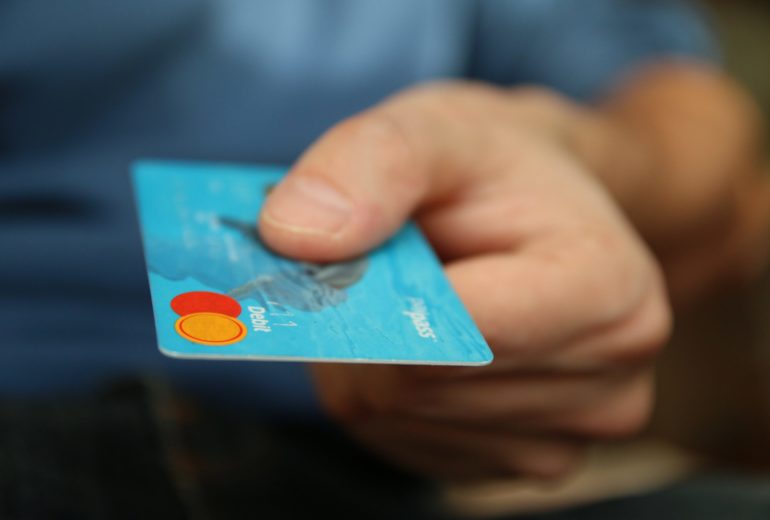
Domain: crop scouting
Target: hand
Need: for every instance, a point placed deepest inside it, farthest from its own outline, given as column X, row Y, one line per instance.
column 563, row 289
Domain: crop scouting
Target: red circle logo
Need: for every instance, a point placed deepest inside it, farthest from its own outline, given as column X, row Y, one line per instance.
column 205, row 301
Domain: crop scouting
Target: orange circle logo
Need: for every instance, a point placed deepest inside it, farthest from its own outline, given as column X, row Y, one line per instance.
column 210, row 328
column 208, row 318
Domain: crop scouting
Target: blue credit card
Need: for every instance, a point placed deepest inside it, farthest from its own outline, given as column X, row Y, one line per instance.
column 219, row 293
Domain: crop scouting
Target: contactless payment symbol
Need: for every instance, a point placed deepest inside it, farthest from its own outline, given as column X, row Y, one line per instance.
column 208, row 318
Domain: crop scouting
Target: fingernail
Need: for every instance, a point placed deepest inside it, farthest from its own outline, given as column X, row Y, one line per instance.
column 304, row 205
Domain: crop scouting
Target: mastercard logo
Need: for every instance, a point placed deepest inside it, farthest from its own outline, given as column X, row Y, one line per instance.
column 208, row 318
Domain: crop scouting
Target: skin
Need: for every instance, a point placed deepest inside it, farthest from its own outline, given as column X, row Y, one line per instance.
column 567, row 231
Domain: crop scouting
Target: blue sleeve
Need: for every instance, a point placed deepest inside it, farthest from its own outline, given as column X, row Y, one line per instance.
column 582, row 48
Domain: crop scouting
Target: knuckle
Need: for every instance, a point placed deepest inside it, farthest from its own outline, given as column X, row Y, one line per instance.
column 594, row 262
column 628, row 303
column 642, row 342
column 620, row 289
column 390, row 141
column 645, row 333
column 539, row 97
column 455, row 103
column 383, row 133
column 655, row 332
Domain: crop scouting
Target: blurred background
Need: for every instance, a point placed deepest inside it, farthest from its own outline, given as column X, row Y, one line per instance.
column 715, row 378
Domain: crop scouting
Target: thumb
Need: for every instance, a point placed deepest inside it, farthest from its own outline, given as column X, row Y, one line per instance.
column 358, row 183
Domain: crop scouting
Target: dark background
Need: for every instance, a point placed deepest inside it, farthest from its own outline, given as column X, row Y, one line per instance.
column 715, row 377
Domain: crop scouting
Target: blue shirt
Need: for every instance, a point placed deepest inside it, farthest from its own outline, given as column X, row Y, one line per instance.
column 88, row 86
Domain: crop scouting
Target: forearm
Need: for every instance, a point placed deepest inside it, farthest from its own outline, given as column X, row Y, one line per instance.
column 682, row 136
column 679, row 147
